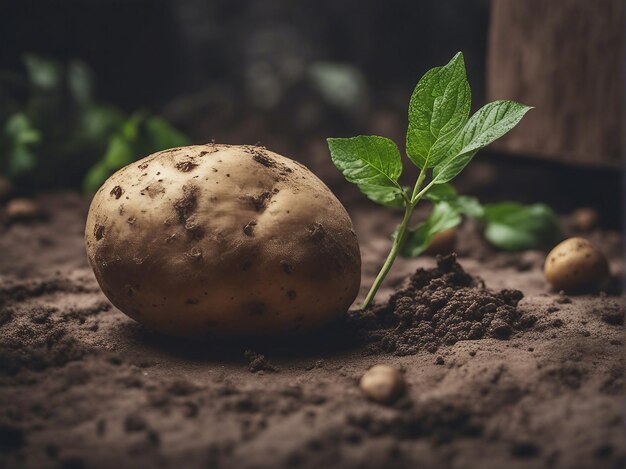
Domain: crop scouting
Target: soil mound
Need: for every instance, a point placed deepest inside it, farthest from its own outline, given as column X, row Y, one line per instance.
column 440, row 306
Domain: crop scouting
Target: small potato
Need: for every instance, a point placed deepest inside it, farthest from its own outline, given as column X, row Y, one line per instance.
column 576, row 265
column 585, row 219
column 382, row 384
column 22, row 209
column 443, row 242
column 222, row 240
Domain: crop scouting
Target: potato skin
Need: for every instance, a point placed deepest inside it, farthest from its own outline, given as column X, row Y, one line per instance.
column 576, row 265
column 222, row 240
column 443, row 242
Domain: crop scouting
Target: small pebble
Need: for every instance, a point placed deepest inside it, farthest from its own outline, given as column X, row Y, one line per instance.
column 382, row 384
column 21, row 210
column 439, row 360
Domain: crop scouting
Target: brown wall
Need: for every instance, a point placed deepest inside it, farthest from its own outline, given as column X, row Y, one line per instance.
column 566, row 58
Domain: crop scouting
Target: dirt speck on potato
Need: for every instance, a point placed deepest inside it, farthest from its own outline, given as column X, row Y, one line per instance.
column 261, row 201
column 99, row 232
column 261, row 157
column 187, row 204
column 287, row 267
column 195, row 253
column 318, row 233
column 185, row 208
column 249, row 228
column 117, row 192
column 153, row 190
column 186, row 166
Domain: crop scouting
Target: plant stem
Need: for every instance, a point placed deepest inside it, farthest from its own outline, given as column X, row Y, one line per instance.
column 399, row 239
column 395, row 247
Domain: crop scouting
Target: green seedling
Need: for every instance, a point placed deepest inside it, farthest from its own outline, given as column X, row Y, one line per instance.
column 441, row 140
column 508, row 225
column 51, row 125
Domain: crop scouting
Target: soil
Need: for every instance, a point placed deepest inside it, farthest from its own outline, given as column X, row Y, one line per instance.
column 442, row 305
column 501, row 371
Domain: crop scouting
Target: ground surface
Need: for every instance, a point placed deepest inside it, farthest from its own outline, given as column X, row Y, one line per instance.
column 83, row 385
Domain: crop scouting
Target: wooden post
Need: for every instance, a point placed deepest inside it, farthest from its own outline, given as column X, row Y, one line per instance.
column 566, row 58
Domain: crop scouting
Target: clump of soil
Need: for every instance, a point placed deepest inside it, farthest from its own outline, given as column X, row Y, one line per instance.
column 258, row 362
column 440, row 306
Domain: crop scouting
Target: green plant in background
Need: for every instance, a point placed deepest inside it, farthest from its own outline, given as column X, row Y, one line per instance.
column 53, row 132
column 508, row 225
column 138, row 136
column 441, row 140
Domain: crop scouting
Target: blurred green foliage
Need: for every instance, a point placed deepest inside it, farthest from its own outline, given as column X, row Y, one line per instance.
column 53, row 132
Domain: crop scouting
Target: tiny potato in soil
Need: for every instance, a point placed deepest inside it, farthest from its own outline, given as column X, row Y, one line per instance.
column 576, row 265
column 222, row 240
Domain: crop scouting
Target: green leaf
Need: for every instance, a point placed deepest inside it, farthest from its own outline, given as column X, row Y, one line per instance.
column 20, row 130
column 372, row 163
column 98, row 123
column 489, row 123
column 95, row 177
column 438, row 109
column 20, row 140
column 119, row 153
column 469, row 206
column 162, row 135
column 80, row 82
column 22, row 159
column 442, row 217
column 341, row 85
column 464, row 204
column 130, row 128
column 42, row 73
column 441, row 192
column 513, row 226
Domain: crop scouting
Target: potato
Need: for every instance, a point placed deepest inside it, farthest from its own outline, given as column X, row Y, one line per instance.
column 585, row 219
column 576, row 265
column 442, row 242
column 382, row 384
column 22, row 209
column 222, row 240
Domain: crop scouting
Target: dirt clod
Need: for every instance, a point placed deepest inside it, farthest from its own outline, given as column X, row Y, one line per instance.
column 612, row 314
column 440, row 307
column 258, row 362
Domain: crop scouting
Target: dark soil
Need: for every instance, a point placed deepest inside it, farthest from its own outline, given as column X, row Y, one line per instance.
column 532, row 381
column 440, row 306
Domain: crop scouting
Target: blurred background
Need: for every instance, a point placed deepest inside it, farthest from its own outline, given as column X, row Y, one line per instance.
column 86, row 86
